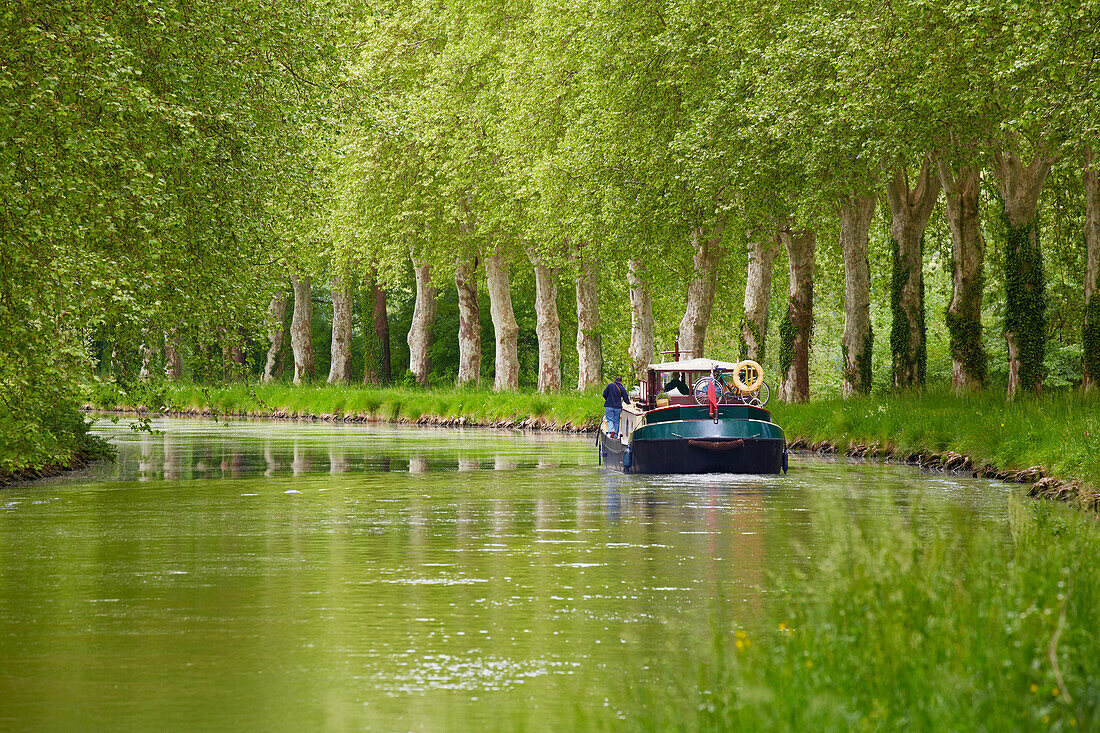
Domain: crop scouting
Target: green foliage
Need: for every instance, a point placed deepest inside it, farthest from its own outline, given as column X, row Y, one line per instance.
column 141, row 149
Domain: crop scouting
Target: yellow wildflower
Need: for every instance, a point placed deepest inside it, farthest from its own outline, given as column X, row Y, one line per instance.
column 782, row 625
column 740, row 645
column 809, row 663
column 1034, row 687
column 1054, row 692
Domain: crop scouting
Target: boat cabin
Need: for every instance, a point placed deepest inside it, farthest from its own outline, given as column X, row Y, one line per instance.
column 696, row 374
column 734, row 383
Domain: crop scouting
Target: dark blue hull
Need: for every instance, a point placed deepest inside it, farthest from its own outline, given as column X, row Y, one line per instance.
column 701, row 455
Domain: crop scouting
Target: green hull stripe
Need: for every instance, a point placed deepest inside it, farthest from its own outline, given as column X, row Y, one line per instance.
column 682, row 429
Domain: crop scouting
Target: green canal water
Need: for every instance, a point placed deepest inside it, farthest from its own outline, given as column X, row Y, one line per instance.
column 285, row 576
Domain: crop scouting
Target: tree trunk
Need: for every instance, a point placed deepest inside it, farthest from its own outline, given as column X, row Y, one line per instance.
column 469, row 323
column 589, row 348
column 797, row 327
column 909, row 213
column 796, row 330
column 964, row 314
column 506, row 364
column 147, row 351
column 856, row 344
column 423, row 321
column 237, row 350
column 641, row 320
column 173, row 361
column 276, row 334
column 758, row 294
column 340, row 368
column 376, row 362
column 700, row 295
column 1025, row 290
column 547, row 328
column 301, row 328
column 1092, row 271
column 382, row 333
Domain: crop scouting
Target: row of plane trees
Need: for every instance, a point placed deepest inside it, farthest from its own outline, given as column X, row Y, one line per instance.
column 605, row 141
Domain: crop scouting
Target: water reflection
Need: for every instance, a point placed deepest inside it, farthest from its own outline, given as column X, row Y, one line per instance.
column 291, row 450
column 375, row 577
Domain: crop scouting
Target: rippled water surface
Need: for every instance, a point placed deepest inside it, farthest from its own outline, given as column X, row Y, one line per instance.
column 280, row 576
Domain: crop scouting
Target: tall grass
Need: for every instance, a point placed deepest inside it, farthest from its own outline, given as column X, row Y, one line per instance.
column 913, row 628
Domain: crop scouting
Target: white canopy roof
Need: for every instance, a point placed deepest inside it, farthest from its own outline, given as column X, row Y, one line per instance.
column 694, row 365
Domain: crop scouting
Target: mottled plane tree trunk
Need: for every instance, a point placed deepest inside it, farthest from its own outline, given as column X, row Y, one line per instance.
column 1092, row 271
column 641, row 320
column 423, row 322
column 506, row 363
column 964, row 313
column 910, row 209
column 547, row 327
column 589, row 349
column 796, row 329
column 173, row 360
column 276, row 334
column 340, row 366
column 704, row 282
column 857, row 342
column 758, row 293
column 469, row 322
column 1019, row 185
column 301, row 328
column 147, row 351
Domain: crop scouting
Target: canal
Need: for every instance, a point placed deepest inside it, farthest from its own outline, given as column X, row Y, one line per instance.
column 283, row 576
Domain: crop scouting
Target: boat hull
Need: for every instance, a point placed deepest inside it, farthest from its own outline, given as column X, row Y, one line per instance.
column 761, row 455
column 698, row 446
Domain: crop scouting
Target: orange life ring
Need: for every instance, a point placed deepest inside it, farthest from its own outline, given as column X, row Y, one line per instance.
column 755, row 373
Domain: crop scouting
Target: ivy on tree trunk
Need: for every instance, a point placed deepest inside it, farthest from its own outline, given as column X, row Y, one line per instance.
column 964, row 314
column 909, row 212
column 1025, row 332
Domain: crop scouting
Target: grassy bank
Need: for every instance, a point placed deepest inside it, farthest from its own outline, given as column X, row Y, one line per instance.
column 566, row 411
column 911, row 626
column 1059, row 432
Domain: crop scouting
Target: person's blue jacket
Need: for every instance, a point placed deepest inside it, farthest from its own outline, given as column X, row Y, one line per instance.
column 614, row 394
